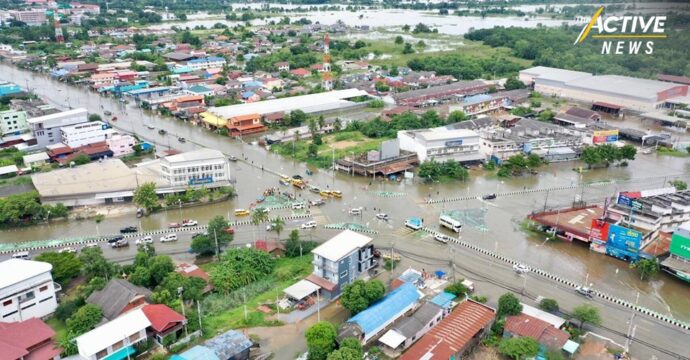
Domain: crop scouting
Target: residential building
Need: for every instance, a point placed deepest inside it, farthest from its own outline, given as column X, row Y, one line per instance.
column 651, row 211
column 30, row 17
column 27, row 290
column 188, row 270
column 410, row 329
column 442, row 144
column 282, row 66
column 121, row 144
column 115, row 338
column 678, row 263
column 206, row 63
column 166, row 324
column 341, row 260
column 456, row 335
column 36, row 160
column 83, row 134
column 546, row 334
column 13, row 122
column 46, row 129
column 204, row 166
column 118, row 297
column 369, row 323
column 28, row 340
column 245, row 124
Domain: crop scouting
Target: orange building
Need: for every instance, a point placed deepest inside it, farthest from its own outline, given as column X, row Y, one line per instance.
column 245, row 124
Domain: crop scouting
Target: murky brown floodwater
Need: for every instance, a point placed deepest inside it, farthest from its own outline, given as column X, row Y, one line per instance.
column 569, row 260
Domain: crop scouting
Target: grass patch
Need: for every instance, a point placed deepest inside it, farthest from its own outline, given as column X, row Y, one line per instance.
column 672, row 152
column 345, row 136
column 325, row 153
column 287, row 272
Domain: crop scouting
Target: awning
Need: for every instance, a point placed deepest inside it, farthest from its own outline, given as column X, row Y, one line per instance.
column 392, row 339
column 121, row 354
column 322, row 283
column 301, row 289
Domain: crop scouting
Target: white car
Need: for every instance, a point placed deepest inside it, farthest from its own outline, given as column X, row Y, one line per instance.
column 520, row 268
column 382, row 216
column 308, row 225
column 169, row 238
column 298, row 206
column 441, row 238
column 187, row 223
column 144, row 240
column 356, row 211
column 67, row 250
column 91, row 245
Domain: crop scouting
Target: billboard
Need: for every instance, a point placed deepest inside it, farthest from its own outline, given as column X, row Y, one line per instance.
column 599, row 231
column 624, row 239
column 604, row 136
column 390, row 149
column 680, row 246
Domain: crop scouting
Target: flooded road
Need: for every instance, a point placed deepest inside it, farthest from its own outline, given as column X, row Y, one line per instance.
column 502, row 216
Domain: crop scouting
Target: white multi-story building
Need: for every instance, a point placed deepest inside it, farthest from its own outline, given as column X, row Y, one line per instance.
column 26, row 290
column 204, row 166
column 46, row 129
column 442, row 144
column 120, row 334
column 12, row 122
column 83, row 134
column 206, row 63
column 30, row 17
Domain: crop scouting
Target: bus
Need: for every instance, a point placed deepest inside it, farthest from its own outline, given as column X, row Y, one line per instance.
column 450, row 223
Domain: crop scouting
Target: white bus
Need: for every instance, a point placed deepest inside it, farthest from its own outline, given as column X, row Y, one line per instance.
column 450, row 223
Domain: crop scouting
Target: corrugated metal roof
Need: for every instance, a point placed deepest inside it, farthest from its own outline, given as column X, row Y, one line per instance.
column 385, row 309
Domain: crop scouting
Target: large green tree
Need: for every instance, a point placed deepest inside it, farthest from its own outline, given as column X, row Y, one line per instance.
column 320, row 340
column 508, row 304
column 145, row 196
column 647, row 268
column 85, row 319
column 160, row 266
column 65, row 265
column 519, row 347
column 358, row 295
column 96, row 265
column 587, row 313
column 240, row 267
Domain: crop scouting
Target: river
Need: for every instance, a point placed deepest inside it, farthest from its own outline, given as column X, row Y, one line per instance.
column 572, row 261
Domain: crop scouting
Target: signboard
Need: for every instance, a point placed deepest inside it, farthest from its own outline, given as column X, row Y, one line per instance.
column 680, row 246
column 390, row 149
column 605, row 133
column 199, row 181
column 599, row 231
column 624, row 200
column 621, row 254
column 453, row 143
column 636, row 205
column 604, row 136
column 624, row 239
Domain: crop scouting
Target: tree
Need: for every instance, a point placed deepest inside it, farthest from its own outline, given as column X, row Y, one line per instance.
column 278, row 225
column 533, row 161
column 508, row 304
column 354, row 344
column 160, row 266
column 457, row 288
column 312, row 125
column 380, row 86
column 519, row 347
column 141, row 276
column 95, row 264
column 406, row 28
column 546, row 115
column 65, row 265
column 374, row 290
column 94, row 117
column 647, row 268
column 549, row 305
column 513, row 83
column 145, row 196
column 337, row 125
column 457, row 116
column 239, row 267
column 590, row 156
column 408, row 49
column 399, row 40
column 587, row 313
column 320, row 340
column 344, row 354
column 216, row 229
column 360, row 294
column 680, row 185
column 81, row 159
column 85, row 319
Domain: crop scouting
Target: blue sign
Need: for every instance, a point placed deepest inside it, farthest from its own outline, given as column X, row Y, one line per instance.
column 622, row 254
column 199, row 181
column 611, row 138
column 454, row 143
column 623, row 238
column 624, row 200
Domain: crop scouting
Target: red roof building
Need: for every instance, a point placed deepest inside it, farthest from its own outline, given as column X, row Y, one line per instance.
column 188, row 270
column 27, row 340
column 164, row 320
column 301, row 72
column 539, row 330
column 456, row 335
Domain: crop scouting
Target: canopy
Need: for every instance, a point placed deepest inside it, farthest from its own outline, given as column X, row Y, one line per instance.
column 301, row 289
column 392, row 339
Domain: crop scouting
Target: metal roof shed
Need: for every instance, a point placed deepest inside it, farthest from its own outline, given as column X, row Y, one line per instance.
column 301, row 289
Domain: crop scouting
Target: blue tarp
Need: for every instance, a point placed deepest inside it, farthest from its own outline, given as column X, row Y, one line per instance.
column 385, row 309
column 440, row 273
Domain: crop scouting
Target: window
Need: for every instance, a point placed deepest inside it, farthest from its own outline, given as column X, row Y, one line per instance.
column 27, row 296
column 7, row 302
column 133, row 338
column 43, row 288
column 46, row 299
column 102, row 354
column 10, row 314
column 117, row 345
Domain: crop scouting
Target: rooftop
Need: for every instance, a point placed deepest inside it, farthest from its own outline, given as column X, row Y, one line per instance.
column 554, row 74
column 162, row 317
column 540, row 330
column 111, row 332
column 19, row 339
column 385, row 309
column 301, row 289
column 623, row 85
column 59, row 115
column 342, row 244
column 15, row 270
column 196, row 155
column 411, row 325
column 229, row 344
column 115, row 297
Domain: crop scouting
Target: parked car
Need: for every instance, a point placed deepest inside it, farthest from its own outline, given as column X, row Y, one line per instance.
column 67, row 250
column 297, row 206
column 128, row 229
column 308, row 225
column 189, row 222
column 145, row 240
column 120, row 243
column 520, row 268
column 151, row 127
column 23, row 255
column 107, row 113
column 114, row 239
column 441, row 238
column 232, row 158
column 242, row 212
column 585, row 291
column 91, row 245
column 162, row 132
column 489, row 197
column 181, row 139
column 317, row 202
column 173, row 225
column 382, row 216
column 355, row 211
column 168, row 238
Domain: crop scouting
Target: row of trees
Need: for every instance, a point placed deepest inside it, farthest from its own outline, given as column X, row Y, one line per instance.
column 465, row 67
column 607, row 154
column 321, row 341
column 517, row 164
column 25, row 208
column 432, row 170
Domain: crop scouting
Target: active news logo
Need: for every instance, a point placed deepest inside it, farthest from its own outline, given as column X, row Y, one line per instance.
column 624, row 34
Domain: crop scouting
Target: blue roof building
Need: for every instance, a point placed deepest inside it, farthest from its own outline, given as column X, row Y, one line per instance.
column 443, row 300
column 368, row 323
column 196, row 353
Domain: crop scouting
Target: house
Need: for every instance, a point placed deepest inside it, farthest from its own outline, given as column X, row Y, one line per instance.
column 272, row 83
column 166, row 324
column 36, row 160
column 28, row 340
column 545, row 333
column 245, row 124
column 120, row 144
column 456, row 335
column 115, row 339
column 301, row 72
column 199, row 90
column 188, row 270
column 231, row 345
column 341, row 260
column 369, row 323
column 282, row 66
column 413, row 327
column 28, row 284
column 118, row 297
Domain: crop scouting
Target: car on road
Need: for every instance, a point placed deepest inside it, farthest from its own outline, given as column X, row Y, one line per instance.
column 489, row 197
column 242, row 212
column 355, row 211
column 168, row 238
column 128, row 229
column 107, row 113
column 151, row 127
column 174, row 225
column 23, row 255
column 585, row 291
column 181, row 139
column 120, row 243
column 297, row 206
column 144, row 240
column 520, row 268
column 441, row 238
column 189, row 222
column 308, row 225
column 232, row 158
column 382, row 216
column 91, row 245
column 114, row 239
column 67, row 250
column 317, row 202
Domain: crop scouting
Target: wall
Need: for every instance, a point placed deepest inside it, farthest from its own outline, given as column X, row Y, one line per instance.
column 44, row 302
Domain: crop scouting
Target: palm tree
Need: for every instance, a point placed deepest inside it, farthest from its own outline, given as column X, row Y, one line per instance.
column 278, row 225
column 259, row 215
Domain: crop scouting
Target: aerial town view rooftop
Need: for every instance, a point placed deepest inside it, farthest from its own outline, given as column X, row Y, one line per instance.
column 344, row 179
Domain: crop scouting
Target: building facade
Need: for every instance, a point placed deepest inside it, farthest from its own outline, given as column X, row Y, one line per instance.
column 13, row 122
column 206, row 63
column 46, row 129
column 117, row 336
column 120, row 144
column 83, row 134
column 441, row 144
column 30, row 17
column 205, row 166
column 26, row 290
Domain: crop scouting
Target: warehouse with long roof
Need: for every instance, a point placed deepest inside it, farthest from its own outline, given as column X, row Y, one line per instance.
column 627, row 92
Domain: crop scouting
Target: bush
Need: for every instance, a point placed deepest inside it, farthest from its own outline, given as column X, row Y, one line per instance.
column 549, row 305
column 68, row 307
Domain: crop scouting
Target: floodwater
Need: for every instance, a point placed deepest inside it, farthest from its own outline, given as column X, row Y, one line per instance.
column 503, row 215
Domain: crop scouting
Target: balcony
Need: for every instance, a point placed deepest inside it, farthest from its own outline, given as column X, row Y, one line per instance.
column 57, row 287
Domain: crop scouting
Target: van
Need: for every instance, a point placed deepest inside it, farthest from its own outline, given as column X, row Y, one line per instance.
column 168, row 238
column 298, row 206
column 23, row 255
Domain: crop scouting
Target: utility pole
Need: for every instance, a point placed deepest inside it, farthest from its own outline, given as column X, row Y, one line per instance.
column 546, row 199
column 215, row 236
column 631, row 329
column 179, row 292
column 318, row 306
column 198, row 311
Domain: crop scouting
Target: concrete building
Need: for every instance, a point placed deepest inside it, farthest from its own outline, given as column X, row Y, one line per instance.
column 13, row 122
column 204, row 166
column 30, row 17
column 83, row 134
column 46, row 129
column 27, row 290
column 341, row 260
column 652, row 211
column 7, row 88
column 121, row 144
column 441, row 144
column 36, row 160
column 206, row 63
column 117, row 336
column 439, row 94
column 626, row 92
column 410, row 329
